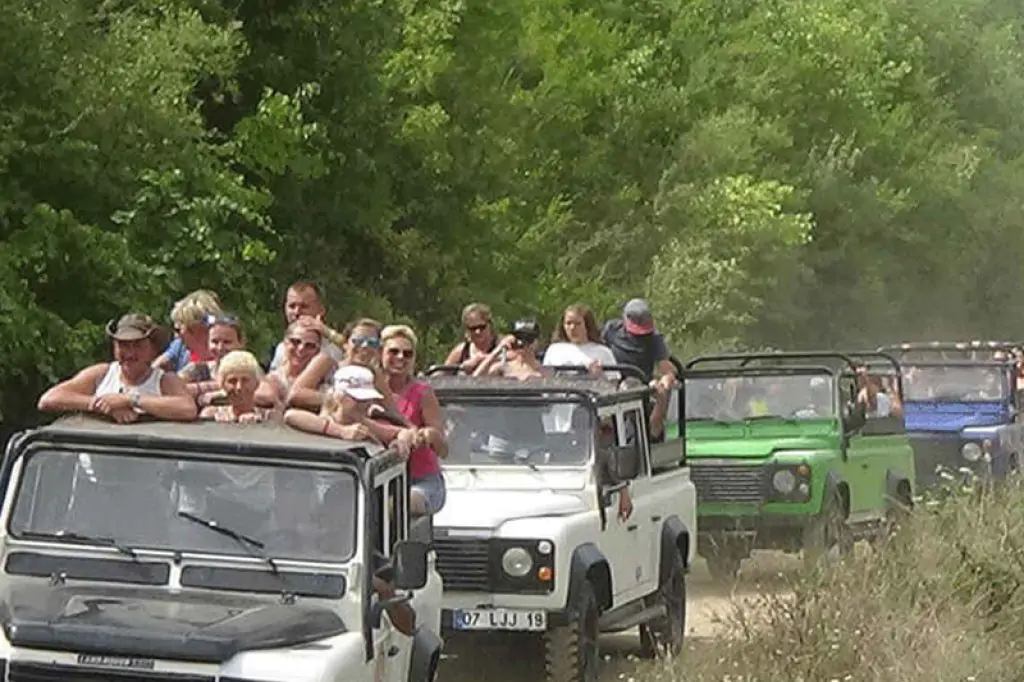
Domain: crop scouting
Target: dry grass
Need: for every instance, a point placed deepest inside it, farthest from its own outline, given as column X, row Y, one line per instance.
column 943, row 602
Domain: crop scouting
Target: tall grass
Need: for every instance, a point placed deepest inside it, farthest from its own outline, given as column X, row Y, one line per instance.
column 943, row 601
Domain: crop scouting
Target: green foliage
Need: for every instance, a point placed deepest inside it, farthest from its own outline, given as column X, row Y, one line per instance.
column 814, row 173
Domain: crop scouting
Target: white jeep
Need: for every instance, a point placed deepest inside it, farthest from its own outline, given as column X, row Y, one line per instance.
column 530, row 539
column 210, row 553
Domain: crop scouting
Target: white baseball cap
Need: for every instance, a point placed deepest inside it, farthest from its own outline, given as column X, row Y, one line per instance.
column 356, row 382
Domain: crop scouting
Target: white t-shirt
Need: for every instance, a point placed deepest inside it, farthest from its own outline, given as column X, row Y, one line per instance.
column 565, row 353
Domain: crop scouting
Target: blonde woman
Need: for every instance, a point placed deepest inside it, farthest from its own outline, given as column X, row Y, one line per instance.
column 226, row 334
column 416, row 402
column 239, row 375
column 191, row 342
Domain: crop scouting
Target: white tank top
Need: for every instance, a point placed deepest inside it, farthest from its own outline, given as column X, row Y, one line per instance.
column 112, row 383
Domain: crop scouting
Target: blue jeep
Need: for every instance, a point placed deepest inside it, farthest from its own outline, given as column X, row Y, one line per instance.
column 960, row 407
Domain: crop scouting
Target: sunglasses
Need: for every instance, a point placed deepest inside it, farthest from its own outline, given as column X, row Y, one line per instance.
column 304, row 345
column 404, row 352
column 476, row 328
column 365, row 341
column 230, row 320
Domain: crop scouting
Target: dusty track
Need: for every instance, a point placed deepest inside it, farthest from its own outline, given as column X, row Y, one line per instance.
column 707, row 602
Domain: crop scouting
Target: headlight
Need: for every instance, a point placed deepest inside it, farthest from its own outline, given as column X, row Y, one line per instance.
column 784, row 481
column 971, row 452
column 544, row 547
column 516, row 561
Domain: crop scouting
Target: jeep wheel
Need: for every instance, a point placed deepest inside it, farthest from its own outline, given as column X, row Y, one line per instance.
column 827, row 537
column 570, row 651
column 896, row 516
column 665, row 635
column 723, row 566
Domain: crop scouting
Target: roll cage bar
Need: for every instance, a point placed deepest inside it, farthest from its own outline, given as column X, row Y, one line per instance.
column 848, row 358
column 627, row 371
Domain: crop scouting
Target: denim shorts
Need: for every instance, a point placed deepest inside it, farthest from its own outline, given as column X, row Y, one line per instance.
column 433, row 489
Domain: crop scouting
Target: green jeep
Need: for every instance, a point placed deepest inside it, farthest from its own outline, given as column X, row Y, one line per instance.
column 784, row 457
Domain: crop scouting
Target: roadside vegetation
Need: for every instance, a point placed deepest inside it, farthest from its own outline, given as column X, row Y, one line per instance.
column 943, row 603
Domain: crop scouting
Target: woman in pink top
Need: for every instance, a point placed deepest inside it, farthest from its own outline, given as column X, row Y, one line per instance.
column 418, row 404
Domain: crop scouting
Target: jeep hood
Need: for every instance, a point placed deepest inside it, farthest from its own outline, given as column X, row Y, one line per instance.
column 952, row 417
column 491, row 508
column 147, row 623
column 753, row 447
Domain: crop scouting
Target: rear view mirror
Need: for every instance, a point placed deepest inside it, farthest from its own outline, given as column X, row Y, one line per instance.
column 410, row 565
column 625, row 462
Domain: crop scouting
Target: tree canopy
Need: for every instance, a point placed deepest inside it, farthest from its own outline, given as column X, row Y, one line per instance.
column 773, row 172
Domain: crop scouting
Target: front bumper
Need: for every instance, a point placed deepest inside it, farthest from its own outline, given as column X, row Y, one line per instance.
column 938, row 461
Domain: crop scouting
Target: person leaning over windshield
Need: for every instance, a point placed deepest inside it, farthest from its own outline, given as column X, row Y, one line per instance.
column 635, row 341
column 480, row 338
column 129, row 386
column 577, row 341
column 515, row 356
column 239, row 375
column 226, row 334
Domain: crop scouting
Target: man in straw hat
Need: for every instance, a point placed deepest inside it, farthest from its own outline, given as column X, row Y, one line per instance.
column 129, row 386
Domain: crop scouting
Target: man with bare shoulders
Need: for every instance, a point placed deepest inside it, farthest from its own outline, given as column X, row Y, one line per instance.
column 515, row 356
column 304, row 300
column 129, row 386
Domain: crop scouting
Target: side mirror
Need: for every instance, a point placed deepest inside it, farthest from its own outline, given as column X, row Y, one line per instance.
column 625, row 462
column 410, row 565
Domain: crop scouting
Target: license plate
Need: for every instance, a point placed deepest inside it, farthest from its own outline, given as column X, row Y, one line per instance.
column 500, row 619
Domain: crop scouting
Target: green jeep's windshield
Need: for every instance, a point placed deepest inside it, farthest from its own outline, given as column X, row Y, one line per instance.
column 954, row 383
column 736, row 398
column 142, row 501
column 496, row 433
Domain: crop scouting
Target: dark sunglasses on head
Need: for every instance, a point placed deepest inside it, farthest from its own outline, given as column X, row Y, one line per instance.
column 304, row 345
column 230, row 320
column 404, row 352
column 365, row 341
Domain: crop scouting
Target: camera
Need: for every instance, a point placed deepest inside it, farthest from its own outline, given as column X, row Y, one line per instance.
column 526, row 332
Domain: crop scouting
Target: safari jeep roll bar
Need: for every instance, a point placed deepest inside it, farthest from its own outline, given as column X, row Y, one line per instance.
column 629, row 371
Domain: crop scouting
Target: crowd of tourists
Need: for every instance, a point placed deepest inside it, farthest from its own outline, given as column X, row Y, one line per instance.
column 357, row 384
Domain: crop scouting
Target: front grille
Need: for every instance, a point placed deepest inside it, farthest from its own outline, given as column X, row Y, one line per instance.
column 464, row 563
column 51, row 672
column 718, row 483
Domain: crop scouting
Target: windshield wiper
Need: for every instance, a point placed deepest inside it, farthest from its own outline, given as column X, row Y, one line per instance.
column 251, row 545
column 83, row 537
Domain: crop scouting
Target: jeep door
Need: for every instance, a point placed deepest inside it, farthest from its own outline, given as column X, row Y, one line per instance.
column 644, row 524
column 877, row 447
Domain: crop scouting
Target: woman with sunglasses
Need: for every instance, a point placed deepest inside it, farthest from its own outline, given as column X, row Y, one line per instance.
column 225, row 333
column 480, row 338
column 362, row 348
column 418, row 404
column 303, row 340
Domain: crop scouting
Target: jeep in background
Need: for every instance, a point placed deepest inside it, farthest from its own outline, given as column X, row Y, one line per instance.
column 962, row 410
column 209, row 552
column 530, row 541
column 784, row 459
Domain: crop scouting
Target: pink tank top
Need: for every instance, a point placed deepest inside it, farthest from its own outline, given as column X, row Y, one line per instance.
column 422, row 460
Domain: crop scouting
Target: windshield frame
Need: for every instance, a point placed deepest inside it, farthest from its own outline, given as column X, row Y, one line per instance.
column 552, row 398
column 761, row 371
column 18, row 454
column 1005, row 369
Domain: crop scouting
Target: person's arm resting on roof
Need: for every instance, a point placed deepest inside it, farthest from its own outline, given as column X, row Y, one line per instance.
column 75, row 394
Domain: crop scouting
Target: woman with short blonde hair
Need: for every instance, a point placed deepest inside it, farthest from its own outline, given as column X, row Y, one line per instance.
column 239, row 374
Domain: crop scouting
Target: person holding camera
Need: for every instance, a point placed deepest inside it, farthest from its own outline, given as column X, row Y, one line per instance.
column 515, row 356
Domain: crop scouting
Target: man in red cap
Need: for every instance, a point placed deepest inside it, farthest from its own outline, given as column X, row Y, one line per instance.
column 634, row 341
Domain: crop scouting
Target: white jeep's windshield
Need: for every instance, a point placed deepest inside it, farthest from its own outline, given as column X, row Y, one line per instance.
column 142, row 501
column 498, row 433
column 954, row 383
column 790, row 396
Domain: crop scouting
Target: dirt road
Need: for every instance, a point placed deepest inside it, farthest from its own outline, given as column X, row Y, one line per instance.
column 707, row 602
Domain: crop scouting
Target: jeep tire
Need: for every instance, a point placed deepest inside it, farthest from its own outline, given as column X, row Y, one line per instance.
column 571, row 651
column 827, row 534
column 664, row 636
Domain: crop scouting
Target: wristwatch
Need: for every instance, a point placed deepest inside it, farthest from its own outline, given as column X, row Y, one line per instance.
column 136, row 398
